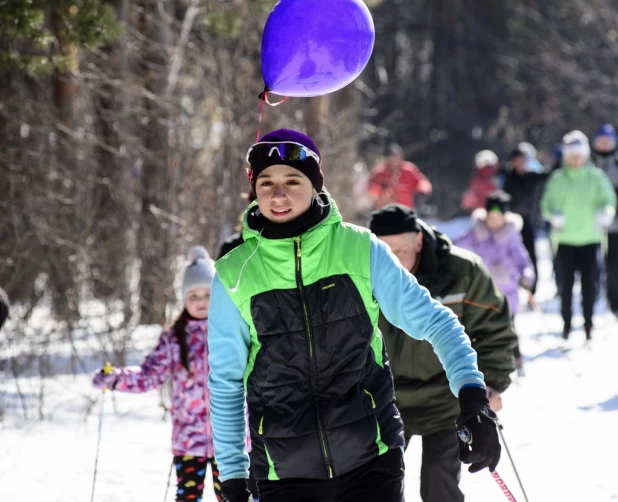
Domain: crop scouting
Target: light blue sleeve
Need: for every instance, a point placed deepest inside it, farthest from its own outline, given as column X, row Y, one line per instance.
column 228, row 352
column 409, row 306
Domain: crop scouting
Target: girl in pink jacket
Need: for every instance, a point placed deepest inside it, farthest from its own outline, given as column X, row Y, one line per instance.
column 181, row 355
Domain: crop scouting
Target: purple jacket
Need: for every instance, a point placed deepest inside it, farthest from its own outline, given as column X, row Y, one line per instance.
column 503, row 253
column 191, row 433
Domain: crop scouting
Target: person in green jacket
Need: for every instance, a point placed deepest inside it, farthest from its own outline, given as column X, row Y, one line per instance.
column 459, row 280
column 293, row 328
column 579, row 202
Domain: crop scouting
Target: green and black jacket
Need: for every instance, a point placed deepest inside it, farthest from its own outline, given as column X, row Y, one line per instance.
column 318, row 385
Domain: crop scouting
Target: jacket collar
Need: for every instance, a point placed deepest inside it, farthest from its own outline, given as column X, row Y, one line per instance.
column 253, row 227
column 434, row 272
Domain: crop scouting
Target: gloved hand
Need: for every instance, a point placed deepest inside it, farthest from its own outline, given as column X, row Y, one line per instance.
column 482, row 447
column 105, row 378
column 557, row 221
column 527, row 280
column 236, row 490
column 604, row 219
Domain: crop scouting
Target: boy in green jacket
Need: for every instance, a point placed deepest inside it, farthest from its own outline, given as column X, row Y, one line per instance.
column 579, row 202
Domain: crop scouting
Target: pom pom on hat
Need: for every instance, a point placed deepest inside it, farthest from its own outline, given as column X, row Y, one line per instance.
column 200, row 271
column 197, row 253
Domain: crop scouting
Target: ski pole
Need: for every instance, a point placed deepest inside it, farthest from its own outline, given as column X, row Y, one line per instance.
column 503, row 487
column 511, row 459
column 107, row 369
column 169, row 475
column 466, row 436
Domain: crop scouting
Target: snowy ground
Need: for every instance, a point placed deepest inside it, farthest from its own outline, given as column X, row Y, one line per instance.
column 560, row 422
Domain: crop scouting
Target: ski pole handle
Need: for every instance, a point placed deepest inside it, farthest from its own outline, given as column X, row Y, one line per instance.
column 465, row 436
column 107, row 369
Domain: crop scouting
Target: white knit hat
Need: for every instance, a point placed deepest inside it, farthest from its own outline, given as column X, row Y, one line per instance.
column 485, row 158
column 200, row 271
column 575, row 142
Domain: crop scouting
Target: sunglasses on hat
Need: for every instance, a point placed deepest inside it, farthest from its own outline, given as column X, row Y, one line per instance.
column 286, row 150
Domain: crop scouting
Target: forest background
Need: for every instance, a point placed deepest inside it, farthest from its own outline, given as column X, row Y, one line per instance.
column 124, row 126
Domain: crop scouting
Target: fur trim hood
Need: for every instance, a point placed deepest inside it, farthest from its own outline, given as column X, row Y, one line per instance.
column 513, row 224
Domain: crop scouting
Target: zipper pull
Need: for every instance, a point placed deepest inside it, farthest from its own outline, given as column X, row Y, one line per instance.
column 297, row 240
column 261, row 429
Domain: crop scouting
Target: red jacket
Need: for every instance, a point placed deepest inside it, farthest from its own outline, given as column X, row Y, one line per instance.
column 483, row 183
column 397, row 184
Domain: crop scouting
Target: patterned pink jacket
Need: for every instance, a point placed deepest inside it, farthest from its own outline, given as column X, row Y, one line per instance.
column 191, row 433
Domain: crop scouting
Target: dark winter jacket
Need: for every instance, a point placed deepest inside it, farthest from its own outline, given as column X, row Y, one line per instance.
column 525, row 191
column 608, row 162
column 232, row 242
column 458, row 279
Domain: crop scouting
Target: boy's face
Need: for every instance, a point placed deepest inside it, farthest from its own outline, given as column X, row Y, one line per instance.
column 575, row 160
column 604, row 144
column 283, row 193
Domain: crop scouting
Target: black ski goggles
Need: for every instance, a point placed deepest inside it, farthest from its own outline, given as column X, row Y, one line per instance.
column 285, row 150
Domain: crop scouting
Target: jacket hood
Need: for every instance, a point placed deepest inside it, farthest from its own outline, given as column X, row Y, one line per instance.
column 513, row 224
column 433, row 272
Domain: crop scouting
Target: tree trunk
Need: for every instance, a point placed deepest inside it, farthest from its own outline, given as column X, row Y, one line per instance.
column 109, row 259
column 61, row 250
column 153, row 239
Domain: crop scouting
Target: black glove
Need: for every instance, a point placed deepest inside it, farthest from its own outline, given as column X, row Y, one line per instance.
column 476, row 430
column 236, row 490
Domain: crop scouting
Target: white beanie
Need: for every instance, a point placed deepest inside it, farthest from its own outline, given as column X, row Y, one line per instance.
column 575, row 142
column 485, row 158
column 200, row 271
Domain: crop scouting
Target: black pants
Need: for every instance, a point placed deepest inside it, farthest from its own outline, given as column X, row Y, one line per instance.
column 440, row 467
column 583, row 259
column 529, row 237
column 611, row 271
column 380, row 480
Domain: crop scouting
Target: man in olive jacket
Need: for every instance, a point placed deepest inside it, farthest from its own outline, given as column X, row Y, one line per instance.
column 458, row 279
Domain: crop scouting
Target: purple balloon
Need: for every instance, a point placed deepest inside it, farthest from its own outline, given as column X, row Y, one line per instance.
column 314, row 47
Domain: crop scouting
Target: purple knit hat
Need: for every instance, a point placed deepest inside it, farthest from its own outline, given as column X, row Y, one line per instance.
column 309, row 167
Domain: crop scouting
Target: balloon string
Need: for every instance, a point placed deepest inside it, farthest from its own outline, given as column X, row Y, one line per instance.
column 264, row 98
column 257, row 135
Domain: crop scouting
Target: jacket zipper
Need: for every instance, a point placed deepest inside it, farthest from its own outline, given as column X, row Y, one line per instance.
column 299, row 283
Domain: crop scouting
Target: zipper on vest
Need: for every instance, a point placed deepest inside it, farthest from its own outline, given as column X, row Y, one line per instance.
column 299, row 284
column 373, row 403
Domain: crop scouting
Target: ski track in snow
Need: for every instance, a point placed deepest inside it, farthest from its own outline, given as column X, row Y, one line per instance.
column 559, row 420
